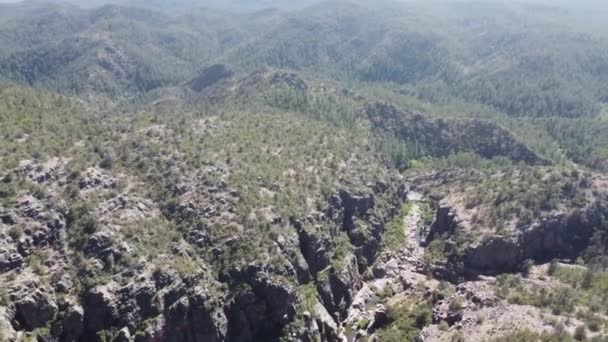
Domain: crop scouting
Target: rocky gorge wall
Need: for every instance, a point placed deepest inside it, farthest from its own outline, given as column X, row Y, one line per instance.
column 148, row 302
column 563, row 235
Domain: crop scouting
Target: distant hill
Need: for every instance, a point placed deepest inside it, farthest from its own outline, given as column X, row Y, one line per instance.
column 517, row 59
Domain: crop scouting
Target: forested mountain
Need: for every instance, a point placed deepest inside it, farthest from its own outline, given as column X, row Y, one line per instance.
column 331, row 170
column 515, row 58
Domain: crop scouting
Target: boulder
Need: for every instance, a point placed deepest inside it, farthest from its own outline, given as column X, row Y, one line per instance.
column 99, row 245
column 9, row 262
column 123, row 335
column 380, row 318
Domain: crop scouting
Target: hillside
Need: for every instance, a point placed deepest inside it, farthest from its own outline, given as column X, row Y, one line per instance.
column 327, row 171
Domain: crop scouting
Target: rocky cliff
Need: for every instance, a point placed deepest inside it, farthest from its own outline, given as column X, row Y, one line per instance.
column 559, row 229
column 443, row 136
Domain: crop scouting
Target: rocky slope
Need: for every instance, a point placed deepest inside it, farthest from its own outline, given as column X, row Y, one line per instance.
column 280, row 217
column 169, row 231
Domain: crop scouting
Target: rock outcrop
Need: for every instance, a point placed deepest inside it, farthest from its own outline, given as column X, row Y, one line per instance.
column 562, row 236
column 35, row 310
column 261, row 306
column 440, row 136
column 161, row 306
column 209, row 76
column 337, row 288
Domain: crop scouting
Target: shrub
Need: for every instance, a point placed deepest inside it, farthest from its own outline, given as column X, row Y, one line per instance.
column 580, row 334
column 552, row 267
column 435, row 252
column 527, row 267
column 15, row 232
column 387, row 292
column 593, row 325
column 362, row 324
column 405, row 322
column 587, row 280
column 5, row 298
column 307, row 295
column 89, row 225
column 457, row 337
column 423, row 317
column 106, row 162
column 394, row 236
column 456, row 304
column 39, row 192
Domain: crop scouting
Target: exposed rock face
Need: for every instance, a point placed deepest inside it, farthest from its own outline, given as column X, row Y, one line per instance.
column 194, row 319
column 210, row 76
column 40, row 223
column 72, row 323
column 261, row 306
column 101, row 310
column 102, row 282
column 560, row 236
column 380, row 317
column 355, row 204
column 490, row 226
column 314, row 248
column 318, row 327
column 35, row 310
column 180, row 310
column 41, row 172
column 441, row 136
column 494, row 255
column 127, row 208
column 217, row 84
column 328, row 329
column 446, row 222
column 338, row 288
column 95, row 179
